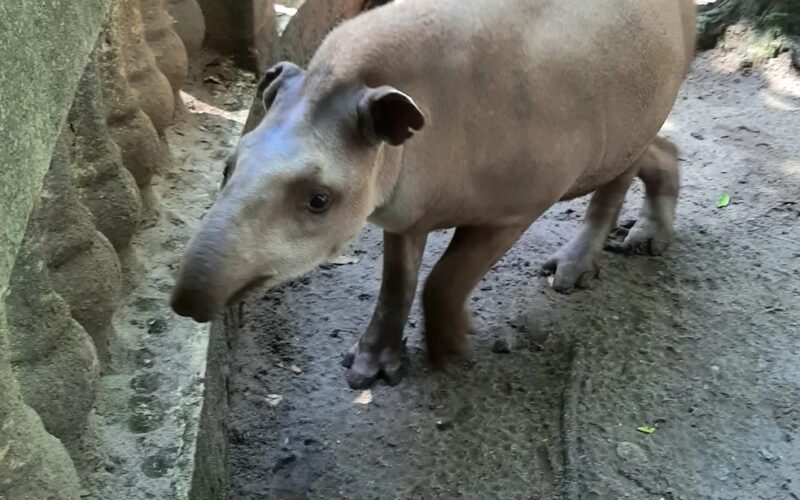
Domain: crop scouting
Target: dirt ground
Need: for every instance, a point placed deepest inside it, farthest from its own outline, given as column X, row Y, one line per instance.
column 701, row 344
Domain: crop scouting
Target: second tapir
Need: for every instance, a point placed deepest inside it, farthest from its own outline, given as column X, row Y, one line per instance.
column 421, row 115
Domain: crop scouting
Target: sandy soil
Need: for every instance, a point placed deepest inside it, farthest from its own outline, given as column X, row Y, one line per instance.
column 702, row 344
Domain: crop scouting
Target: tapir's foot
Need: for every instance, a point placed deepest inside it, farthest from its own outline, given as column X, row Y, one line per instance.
column 471, row 253
column 445, row 349
column 653, row 232
column 446, row 337
column 366, row 364
column 646, row 237
column 573, row 266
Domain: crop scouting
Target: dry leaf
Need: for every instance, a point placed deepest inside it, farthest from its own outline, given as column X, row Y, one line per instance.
column 213, row 79
column 274, row 399
column 343, row 260
column 284, row 10
column 364, row 398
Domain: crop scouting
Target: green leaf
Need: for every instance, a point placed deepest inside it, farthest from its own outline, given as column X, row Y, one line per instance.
column 646, row 429
column 724, row 200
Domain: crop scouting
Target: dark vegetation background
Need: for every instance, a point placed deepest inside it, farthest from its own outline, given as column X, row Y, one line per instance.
column 776, row 21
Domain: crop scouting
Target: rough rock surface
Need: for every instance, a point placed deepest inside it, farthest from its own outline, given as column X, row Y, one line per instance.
column 308, row 27
column 52, row 355
column 244, row 29
column 166, row 45
column 37, row 86
column 143, row 154
column 84, row 269
column 37, row 464
column 151, row 85
column 103, row 183
column 190, row 24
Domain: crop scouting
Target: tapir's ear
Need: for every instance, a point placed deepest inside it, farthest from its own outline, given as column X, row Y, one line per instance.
column 269, row 84
column 388, row 115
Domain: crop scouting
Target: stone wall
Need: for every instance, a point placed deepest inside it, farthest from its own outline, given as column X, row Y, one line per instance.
column 86, row 93
column 38, row 85
column 304, row 33
column 243, row 29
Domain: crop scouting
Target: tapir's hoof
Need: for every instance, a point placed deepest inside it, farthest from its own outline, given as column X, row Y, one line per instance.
column 570, row 272
column 364, row 366
column 444, row 352
column 646, row 237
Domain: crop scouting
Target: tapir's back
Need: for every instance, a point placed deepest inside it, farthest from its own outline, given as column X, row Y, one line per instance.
column 562, row 93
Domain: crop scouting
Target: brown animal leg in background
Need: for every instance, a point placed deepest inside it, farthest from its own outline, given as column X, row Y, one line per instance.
column 379, row 351
column 472, row 252
column 574, row 264
column 658, row 169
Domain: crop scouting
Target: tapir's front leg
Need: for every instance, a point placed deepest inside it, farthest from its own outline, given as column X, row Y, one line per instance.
column 379, row 351
column 470, row 255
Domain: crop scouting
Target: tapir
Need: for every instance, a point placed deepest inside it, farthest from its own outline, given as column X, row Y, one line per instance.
column 423, row 115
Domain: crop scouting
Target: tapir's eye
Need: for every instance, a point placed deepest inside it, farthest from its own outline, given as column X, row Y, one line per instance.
column 319, row 202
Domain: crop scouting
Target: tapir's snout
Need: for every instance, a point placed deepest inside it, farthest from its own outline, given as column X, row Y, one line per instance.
column 195, row 295
column 206, row 279
column 193, row 303
column 193, row 300
column 209, row 279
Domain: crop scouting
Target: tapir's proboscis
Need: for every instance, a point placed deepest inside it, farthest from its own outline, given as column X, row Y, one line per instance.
column 423, row 115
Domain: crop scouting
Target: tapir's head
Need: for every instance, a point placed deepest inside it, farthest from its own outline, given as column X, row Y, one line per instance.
column 298, row 189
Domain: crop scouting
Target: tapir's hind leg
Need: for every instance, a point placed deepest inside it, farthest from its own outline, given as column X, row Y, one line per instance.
column 658, row 169
column 574, row 264
column 379, row 351
column 471, row 253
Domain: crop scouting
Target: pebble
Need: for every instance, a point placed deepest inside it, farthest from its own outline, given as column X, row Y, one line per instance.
column 768, row 455
column 444, row 424
column 501, row 346
column 274, row 399
column 631, row 452
column 156, row 326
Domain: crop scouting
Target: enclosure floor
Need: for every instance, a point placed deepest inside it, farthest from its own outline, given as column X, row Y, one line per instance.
column 702, row 344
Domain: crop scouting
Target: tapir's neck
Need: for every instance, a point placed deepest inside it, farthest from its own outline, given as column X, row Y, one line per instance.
column 382, row 47
column 387, row 171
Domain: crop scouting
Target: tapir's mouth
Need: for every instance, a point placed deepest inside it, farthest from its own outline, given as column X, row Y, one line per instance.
column 252, row 284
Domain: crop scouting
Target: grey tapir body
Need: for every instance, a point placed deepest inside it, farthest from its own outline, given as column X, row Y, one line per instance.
column 422, row 115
